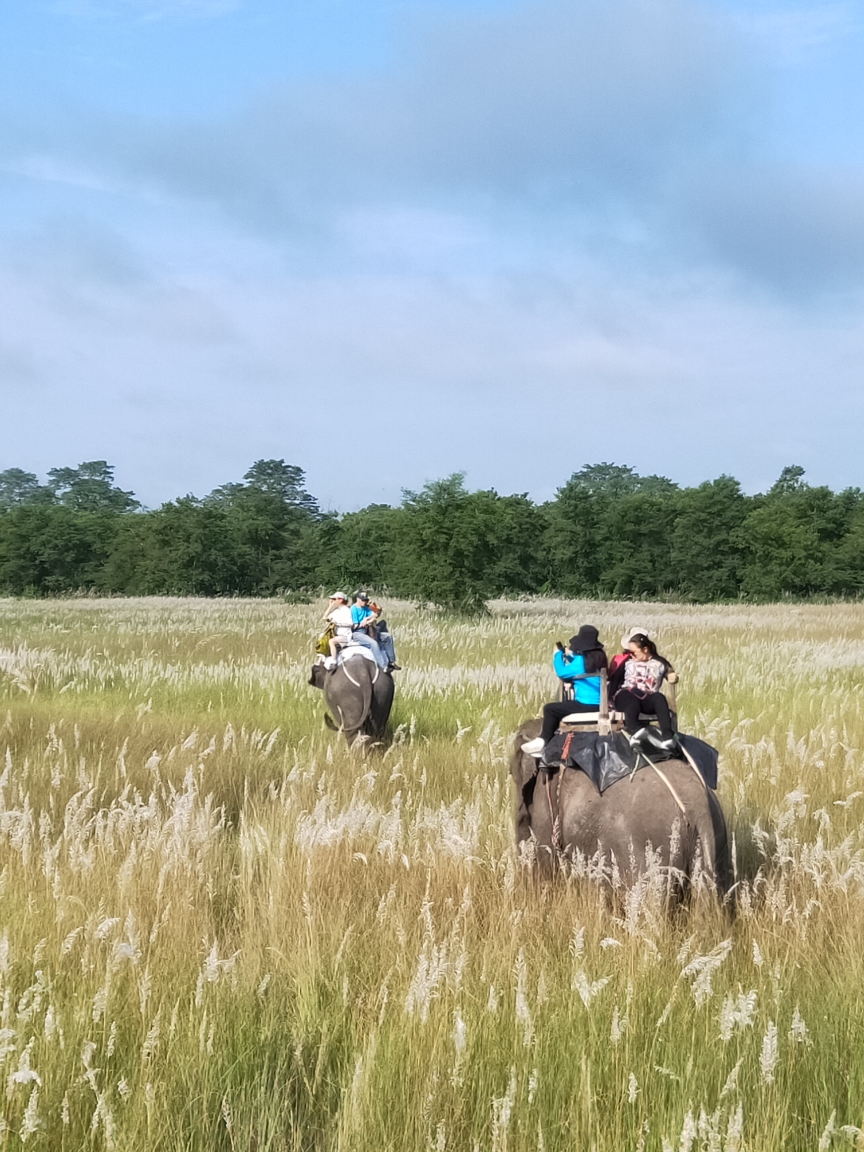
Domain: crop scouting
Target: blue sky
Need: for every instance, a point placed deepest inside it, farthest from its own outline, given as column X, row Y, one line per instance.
column 393, row 240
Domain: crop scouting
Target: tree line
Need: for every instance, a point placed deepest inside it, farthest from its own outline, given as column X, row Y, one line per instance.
column 608, row 532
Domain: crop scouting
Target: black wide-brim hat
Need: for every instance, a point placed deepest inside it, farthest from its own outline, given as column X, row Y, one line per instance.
column 587, row 639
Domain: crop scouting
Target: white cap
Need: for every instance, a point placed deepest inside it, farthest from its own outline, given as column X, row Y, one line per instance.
column 339, row 596
column 639, row 630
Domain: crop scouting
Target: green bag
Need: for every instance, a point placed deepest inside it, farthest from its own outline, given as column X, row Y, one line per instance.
column 323, row 645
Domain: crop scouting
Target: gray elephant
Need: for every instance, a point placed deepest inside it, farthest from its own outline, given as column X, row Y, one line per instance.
column 359, row 695
column 630, row 814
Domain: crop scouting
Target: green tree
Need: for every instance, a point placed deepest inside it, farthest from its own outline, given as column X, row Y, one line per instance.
column 90, row 488
column 792, row 539
column 364, row 549
column 789, row 482
column 52, row 548
column 607, row 532
column 271, row 520
column 616, row 480
column 460, row 548
column 19, row 487
column 186, row 547
column 848, row 555
column 707, row 556
column 634, row 544
column 273, row 484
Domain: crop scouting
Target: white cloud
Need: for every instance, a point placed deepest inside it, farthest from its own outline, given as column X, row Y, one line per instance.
column 184, row 379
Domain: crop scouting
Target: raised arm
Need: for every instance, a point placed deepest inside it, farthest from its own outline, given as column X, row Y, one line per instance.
column 567, row 667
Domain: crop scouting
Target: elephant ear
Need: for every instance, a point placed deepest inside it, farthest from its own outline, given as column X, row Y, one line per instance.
column 316, row 676
column 523, row 768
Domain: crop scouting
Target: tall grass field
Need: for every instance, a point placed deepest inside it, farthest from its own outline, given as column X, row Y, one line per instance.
column 222, row 929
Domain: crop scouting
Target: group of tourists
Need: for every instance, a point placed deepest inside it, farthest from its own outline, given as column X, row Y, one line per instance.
column 634, row 675
column 361, row 624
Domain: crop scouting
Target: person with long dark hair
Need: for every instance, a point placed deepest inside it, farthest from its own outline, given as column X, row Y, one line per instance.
column 584, row 655
column 640, row 692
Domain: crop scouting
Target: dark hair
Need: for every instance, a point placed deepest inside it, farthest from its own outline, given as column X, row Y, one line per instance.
column 595, row 660
column 646, row 643
column 586, row 643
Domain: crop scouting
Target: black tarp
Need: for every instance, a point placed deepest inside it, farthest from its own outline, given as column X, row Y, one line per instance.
column 605, row 759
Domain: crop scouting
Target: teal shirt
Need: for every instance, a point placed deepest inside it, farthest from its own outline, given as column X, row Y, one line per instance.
column 566, row 667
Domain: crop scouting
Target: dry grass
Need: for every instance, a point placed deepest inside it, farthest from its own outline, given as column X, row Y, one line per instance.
column 219, row 929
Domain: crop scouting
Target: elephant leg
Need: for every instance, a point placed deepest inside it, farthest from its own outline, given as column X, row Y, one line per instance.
column 716, row 856
column 383, row 691
column 524, row 802
column 530, row 803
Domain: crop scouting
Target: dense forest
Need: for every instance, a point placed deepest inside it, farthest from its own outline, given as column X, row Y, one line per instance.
column 608, row 532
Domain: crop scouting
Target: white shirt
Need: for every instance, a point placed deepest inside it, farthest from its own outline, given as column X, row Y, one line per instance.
column 342, row 618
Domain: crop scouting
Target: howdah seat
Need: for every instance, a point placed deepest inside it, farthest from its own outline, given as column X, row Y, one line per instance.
column 603, row 720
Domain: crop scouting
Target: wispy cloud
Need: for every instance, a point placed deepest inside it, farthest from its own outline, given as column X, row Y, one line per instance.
column 145, row 11
column 553, row 104
column 556, row 205
column 795, row 35
column 54, row 170
column 182, row 377
column 616, row 124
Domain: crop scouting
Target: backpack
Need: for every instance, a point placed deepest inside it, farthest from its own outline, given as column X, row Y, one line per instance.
column 322, row 647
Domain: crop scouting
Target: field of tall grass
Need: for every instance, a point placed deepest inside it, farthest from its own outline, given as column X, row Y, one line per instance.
column 221, row 929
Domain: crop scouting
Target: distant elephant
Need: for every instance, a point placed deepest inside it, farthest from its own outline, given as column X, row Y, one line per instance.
column 618, row 825
column 359, row 695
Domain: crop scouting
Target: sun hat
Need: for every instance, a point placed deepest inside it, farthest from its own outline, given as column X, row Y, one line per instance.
column 586, row 639
column 339, row 596
column 638, row 630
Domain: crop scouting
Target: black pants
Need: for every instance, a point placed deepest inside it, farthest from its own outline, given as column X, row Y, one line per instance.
column 655, row 704
column 554, row 713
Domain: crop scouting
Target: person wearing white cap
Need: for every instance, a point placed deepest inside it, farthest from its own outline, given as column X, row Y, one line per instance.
column 339, row 615
column 616, row 664
column 638, row 630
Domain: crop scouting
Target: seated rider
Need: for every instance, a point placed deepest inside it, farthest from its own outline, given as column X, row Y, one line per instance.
column 644, row 672
column 585, row 654
column 367, row 615
column 362, row 622
column 339, row 615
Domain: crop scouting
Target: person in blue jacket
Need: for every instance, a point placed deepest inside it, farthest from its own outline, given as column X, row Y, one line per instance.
column 362, row 616
column 585, row 654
